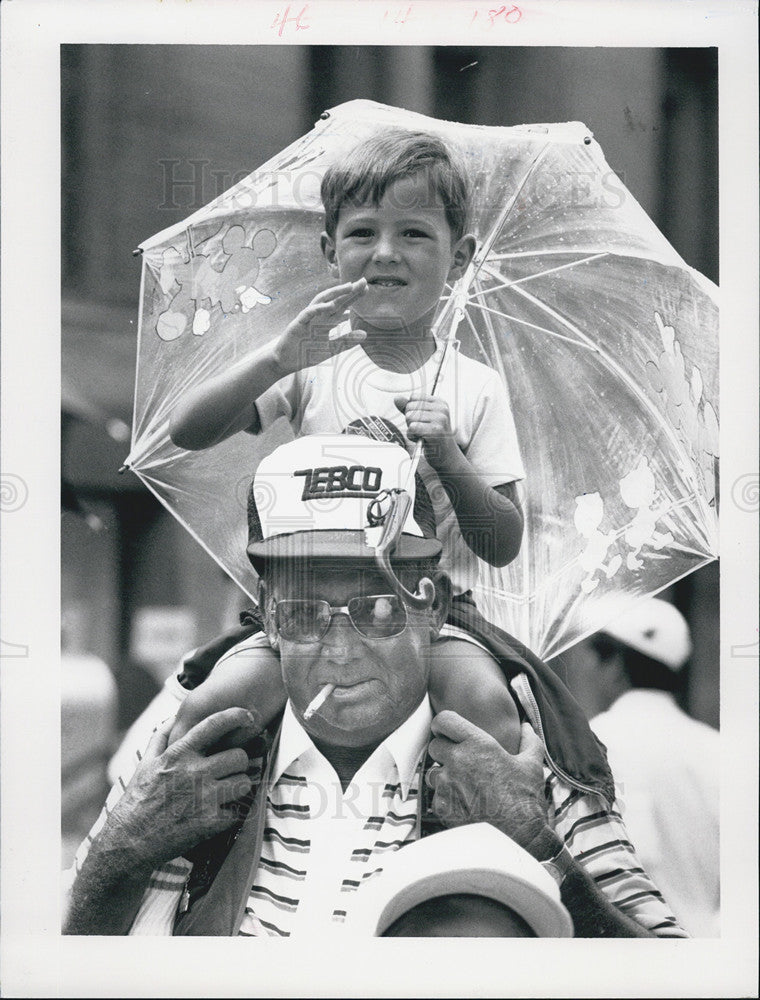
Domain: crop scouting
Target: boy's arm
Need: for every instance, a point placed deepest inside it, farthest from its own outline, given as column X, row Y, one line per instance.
column 490, row 517
column 226, row 403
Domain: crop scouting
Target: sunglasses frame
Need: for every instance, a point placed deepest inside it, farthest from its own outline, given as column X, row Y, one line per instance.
column 344, row 609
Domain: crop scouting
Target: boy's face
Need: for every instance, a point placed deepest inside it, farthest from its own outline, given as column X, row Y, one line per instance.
column 404, row 249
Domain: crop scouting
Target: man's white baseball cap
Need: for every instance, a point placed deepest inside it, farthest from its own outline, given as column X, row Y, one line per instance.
column 655, row 628
column 476, row 859
column 314, row 498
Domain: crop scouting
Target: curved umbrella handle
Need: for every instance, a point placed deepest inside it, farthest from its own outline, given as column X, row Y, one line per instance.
column 393, row 524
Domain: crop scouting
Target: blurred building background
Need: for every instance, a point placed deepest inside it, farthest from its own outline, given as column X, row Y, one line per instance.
column 150, row 133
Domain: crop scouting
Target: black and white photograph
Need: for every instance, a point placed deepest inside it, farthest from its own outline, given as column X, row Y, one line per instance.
column 379, row 498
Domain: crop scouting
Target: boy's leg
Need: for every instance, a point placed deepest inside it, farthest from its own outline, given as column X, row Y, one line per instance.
column 250, row 678
column 467, row 680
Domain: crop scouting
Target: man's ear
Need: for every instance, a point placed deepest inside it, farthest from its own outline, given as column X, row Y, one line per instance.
column 441, row 602
column 266, row 607
column 328, row 250
column 462, row 253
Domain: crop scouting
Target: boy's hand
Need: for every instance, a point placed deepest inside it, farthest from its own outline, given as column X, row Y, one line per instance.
column 427, row 420
column 307, row 340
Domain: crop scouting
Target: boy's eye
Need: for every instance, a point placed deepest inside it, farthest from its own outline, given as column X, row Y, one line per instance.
column 361, row 233
column 415, row 233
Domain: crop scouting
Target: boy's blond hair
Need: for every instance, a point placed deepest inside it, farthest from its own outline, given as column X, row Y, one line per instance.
column 371, row 167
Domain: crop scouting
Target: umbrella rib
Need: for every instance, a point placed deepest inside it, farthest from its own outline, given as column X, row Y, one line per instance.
column 534, row 326
column 494, row 339
column 476, row 335
column 538, row 274
column 149, row 440
column 138, row 364
column 504, row 214
column 532, row 253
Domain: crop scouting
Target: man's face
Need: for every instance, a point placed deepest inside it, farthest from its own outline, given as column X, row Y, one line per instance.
column 378, row 682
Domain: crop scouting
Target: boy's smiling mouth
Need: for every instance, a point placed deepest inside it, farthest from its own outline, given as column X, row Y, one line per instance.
column 387, row 281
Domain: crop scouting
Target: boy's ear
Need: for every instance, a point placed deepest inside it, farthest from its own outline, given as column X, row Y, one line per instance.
column 462, row 253
column 328, row 250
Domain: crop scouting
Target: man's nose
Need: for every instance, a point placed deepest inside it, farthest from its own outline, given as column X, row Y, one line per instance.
column 340, row 636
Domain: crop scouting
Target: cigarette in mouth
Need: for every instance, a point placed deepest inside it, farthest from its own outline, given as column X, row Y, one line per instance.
column 318, row 701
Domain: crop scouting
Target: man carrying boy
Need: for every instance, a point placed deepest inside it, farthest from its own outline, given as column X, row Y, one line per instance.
column 343, row 788
column 395, row 234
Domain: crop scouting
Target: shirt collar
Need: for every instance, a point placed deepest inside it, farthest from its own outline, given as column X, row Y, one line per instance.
column 405, row 745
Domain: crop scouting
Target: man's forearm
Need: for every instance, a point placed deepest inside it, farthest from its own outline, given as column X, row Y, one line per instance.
column 593, row 914
column 106, row 894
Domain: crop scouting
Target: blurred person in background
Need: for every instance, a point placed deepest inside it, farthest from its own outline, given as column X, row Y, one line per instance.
column 666, row 764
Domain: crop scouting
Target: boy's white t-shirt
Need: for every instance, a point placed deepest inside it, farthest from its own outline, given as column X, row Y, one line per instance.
column 327, row 397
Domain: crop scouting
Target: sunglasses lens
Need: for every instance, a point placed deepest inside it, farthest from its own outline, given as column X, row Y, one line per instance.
column 378, row 616
column 302, row 621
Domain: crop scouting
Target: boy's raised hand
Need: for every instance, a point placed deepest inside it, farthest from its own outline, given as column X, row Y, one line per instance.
column 310, row 338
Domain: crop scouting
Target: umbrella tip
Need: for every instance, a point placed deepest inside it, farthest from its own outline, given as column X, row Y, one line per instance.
column 324, row 116
column 123, row 469
column 587, row 140
column 137, row 252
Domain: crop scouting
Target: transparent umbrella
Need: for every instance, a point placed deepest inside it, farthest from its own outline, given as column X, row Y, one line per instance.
column 606, row 340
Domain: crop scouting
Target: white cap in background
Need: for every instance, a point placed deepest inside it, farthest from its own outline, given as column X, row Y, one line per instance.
column 655, row 628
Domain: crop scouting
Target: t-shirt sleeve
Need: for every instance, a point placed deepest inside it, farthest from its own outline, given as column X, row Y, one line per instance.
column 283, row 399
column 596, row 836
column 493, row 448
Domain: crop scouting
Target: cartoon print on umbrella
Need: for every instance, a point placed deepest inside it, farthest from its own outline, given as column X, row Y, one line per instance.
column 688, row 411
column 200, row 285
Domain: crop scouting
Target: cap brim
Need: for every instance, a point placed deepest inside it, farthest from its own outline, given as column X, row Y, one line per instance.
column 337, row 544
column 546, row 917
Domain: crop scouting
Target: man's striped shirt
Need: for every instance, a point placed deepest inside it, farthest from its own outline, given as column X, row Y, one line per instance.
column 318, row 851
column 322, row 844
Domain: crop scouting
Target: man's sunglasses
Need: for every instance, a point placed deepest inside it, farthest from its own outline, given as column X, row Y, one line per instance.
column 376, row 616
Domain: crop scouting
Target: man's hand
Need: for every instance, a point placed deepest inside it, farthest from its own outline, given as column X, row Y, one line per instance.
column 308, row 340
column 475, row 780
column 428, row 420
column 180, row 795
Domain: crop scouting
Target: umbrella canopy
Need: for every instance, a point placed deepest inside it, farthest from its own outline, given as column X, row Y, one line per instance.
column 607, row 343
